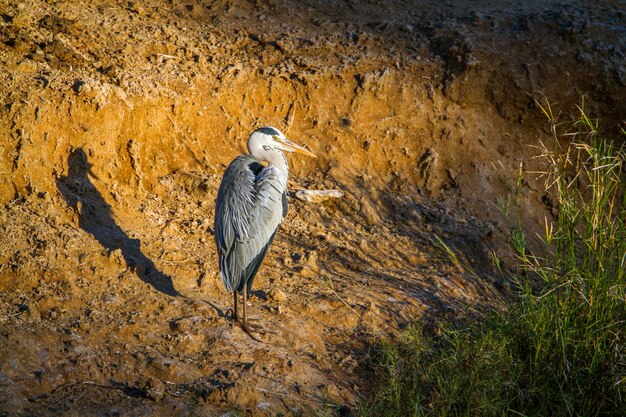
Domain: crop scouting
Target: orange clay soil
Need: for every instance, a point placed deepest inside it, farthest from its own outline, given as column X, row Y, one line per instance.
column 117, row 120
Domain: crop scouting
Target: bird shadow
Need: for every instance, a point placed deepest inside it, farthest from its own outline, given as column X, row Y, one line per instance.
column 95, row 216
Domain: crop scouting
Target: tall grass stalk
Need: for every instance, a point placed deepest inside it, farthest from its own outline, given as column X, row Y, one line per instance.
column 558, row 351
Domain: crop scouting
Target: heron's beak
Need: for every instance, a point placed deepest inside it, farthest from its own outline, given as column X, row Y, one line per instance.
column 91, row 174
column 289, row 146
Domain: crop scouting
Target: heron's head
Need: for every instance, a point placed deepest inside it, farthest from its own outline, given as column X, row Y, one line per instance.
column 269, row 138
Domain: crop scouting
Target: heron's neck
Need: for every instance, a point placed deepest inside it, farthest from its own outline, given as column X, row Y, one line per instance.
column 273, row 156
column 277, row 160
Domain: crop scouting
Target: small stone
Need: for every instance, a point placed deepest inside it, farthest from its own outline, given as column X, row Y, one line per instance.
column 332, row 391
column 154, row 389
column 33, row 312
column 38, row 56
column 84, row 326
column 277, row 295
column 117, row 257
column 373, row 308
column 312, row 259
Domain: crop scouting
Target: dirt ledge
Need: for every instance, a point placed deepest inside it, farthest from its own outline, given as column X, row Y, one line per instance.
column 118, row 119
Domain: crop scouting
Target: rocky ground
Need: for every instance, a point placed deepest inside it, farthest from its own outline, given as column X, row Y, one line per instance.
column 118, row 118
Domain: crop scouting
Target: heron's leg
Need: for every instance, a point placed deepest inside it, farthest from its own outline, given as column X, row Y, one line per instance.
column 245, row 310
column 236, row 306
column 245, row 326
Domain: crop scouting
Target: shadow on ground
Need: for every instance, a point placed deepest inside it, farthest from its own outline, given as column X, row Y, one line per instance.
column 96, row 217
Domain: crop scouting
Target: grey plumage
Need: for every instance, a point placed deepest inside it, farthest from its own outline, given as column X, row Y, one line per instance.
column 250, row 205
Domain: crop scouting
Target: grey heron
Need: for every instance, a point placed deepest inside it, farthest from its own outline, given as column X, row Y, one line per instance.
column 250, row 205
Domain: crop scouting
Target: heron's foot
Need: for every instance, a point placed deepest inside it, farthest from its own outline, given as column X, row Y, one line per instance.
column 233, row 316
column 251, row 327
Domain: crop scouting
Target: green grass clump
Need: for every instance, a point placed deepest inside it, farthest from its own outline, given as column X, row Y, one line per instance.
column 559, row 350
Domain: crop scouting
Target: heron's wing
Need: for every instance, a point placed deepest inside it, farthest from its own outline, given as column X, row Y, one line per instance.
column 249, row 208
column 285, row 204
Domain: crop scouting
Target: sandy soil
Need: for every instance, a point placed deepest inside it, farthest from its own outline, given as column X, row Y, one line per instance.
column 117, row 120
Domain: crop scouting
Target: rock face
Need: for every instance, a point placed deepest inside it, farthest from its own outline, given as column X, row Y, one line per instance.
column 118, row 119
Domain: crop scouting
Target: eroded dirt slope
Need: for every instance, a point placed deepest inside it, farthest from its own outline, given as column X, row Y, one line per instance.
column 118, row 119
